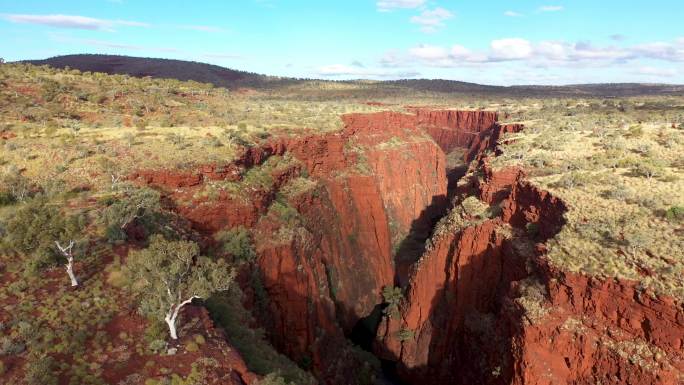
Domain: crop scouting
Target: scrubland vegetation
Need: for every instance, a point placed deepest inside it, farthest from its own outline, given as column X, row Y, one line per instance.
column 618, row 165
column 71, row 139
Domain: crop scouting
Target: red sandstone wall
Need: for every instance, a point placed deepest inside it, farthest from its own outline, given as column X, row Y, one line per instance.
column 593, row 330
column 461, row 299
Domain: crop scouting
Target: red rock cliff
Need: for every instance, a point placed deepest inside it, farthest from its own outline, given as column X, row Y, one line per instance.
column 484, row 305
column 331, row 274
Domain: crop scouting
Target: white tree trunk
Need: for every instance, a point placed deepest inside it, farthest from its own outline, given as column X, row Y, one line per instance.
column 70, row 271
column 171, row 316
column 171, row 322
column 66, row 251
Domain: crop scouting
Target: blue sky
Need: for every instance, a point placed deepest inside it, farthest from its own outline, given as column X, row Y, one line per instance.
column 491, row 42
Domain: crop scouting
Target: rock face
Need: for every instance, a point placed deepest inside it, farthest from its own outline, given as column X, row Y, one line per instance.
column 600, row 331
column 482, row 303
column 449, row 128
column 330, row 273
column 452, row 129
column 459, row 285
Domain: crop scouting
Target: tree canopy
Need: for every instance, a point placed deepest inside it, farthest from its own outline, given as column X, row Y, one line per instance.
column 169, row 274
column 34, row 228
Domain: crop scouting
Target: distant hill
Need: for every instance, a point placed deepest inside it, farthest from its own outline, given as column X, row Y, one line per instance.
column 229, row 78
column 156, row 68
column 606, row 90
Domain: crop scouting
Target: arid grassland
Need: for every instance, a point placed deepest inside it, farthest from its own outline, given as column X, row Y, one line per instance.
column 72, row 141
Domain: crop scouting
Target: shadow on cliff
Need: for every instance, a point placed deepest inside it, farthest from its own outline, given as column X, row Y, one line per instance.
column 473, row 316
column 412, row 246
column 464, row 340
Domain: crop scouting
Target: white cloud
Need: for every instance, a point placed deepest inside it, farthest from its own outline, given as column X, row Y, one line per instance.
column 656, row 72
column 510, row 49
column 342, row 70
column 513, row 14
column 429, row 52
column 662, row 51
column 388, row 5
column 72, row 21
column 393, row 59
column 551, row 8
column 586, row 51
column 543, row 54
column 553, row 50
column 431, row 20
column 460, row 51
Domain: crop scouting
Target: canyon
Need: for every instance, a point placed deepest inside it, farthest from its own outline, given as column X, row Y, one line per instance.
column 482, row 304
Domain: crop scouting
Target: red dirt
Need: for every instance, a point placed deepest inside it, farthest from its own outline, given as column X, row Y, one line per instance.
column 231, row 369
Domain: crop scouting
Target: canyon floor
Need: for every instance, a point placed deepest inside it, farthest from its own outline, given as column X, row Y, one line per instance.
column 376, row 234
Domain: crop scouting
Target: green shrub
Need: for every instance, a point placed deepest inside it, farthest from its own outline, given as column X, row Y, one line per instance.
column 176, row 139
column 10, row 347
column 675, row 213
column 474, row 207
column 405, row 334
column 6, row 198
column 238, row 243
column 115, row 233
column 157, row 346
column 33, row 230
column 14, row 187
column 284, row 212
column 155, row 331
column 136, row 204
column 40, row 371
column 571, row 180
column 226, row 309
column 649, row 169
column 532, row 229
column 392, row 296
column 274, row 379
column 636, row 131
column 619, row 192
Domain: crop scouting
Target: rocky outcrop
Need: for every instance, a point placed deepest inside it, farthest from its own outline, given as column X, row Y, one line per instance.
column 452, row 129
column 600, row 331
column 449, row 128
column 484, row 305
column 485, row 142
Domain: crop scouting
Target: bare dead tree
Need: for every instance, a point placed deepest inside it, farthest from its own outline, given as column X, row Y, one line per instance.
column 67, row 252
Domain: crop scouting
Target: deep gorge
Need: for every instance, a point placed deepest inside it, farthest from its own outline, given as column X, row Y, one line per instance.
column 481, row 303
